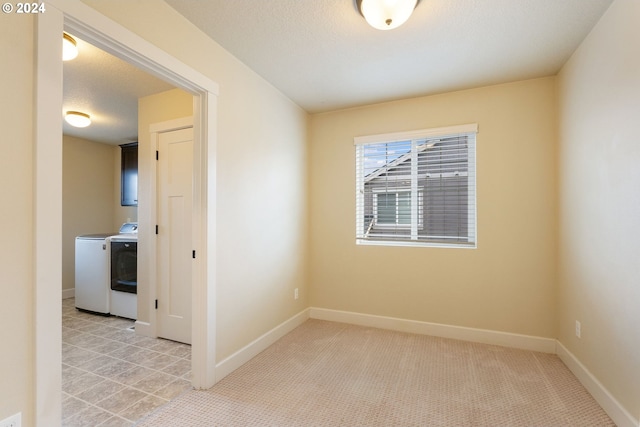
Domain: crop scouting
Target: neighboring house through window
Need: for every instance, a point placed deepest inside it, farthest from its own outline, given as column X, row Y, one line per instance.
column 417, row 188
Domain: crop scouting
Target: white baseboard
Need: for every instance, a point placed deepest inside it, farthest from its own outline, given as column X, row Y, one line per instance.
column 611, row 406
column 144, row 329
column 68, row 293
column 505, row 339
column 242, row 356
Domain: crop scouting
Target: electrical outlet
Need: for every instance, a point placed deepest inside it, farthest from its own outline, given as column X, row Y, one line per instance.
column 578, row 329
column 14, row 420
column 295, row 293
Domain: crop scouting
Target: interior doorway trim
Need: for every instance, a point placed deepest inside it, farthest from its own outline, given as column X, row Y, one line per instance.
column 95, row 28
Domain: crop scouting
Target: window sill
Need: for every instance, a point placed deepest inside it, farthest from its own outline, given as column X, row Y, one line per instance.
column 365, row 242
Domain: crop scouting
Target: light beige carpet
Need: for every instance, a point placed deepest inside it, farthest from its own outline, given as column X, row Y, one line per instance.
column 334, row 374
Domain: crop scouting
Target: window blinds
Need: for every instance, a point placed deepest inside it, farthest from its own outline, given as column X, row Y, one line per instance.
column 417, row 187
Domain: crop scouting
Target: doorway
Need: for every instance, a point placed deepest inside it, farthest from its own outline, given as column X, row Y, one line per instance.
column 109, row 36
column 110, row 370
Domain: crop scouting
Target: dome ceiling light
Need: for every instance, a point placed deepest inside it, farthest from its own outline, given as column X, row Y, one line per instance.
column 77, row 119
column 386, row 14
column 69, row 47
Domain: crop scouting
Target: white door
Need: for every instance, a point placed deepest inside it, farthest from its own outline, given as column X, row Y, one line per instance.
column 174, row 239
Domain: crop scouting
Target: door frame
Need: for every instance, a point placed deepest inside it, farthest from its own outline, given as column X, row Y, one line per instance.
column 97, row 29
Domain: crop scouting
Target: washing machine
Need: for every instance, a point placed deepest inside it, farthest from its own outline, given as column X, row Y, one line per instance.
column 92, row 270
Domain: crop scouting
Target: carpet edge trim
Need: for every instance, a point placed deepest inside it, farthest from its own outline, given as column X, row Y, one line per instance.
column 246, row 353
column 484, row 336
column 605, row 399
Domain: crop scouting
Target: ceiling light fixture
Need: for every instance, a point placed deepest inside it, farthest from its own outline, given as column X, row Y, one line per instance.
column 77, row 119
column 386, row 14
column 69, row 47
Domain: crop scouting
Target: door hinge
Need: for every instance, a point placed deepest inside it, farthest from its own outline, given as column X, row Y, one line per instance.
column 156, row 304
column 156, row 229
column 157, row 155
column 194, row 254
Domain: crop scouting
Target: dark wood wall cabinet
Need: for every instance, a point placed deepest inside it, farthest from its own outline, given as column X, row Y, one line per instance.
column 129, row 176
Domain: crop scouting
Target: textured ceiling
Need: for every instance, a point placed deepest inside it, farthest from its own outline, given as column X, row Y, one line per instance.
column 107, row 89
column 324, row 56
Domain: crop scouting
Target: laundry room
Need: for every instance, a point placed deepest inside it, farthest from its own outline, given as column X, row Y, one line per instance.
column 111, row 365
column 92, row 202
column 100, row 161
column 90, row 181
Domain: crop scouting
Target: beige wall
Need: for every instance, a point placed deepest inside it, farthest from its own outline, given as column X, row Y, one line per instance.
column 261, row 179
column 173, row 104
column 508, row 282
column 599, row 281
column 87, row 196
column 16, row 216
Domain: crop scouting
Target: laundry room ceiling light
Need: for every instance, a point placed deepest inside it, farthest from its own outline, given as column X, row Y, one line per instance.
column 77, row 119
column 69, row 47
column 386, row 14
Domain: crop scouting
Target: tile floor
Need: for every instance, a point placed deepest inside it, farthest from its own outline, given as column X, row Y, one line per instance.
column 112, row 377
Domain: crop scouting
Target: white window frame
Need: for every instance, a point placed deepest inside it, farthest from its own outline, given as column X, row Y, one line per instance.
column 362, row 238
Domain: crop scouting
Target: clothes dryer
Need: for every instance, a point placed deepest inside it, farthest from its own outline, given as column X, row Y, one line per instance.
column 124, row 271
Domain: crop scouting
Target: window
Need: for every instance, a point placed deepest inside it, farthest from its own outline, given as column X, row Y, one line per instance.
column 417, row 188
column 392, row 208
